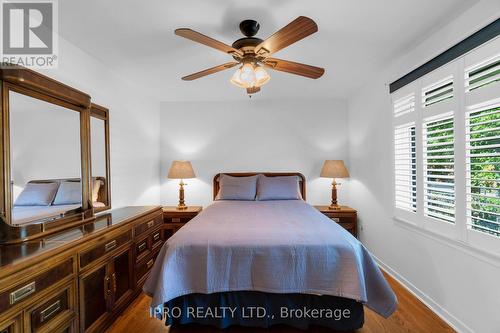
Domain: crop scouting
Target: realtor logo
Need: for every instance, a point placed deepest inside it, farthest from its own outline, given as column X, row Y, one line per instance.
column 29, row 36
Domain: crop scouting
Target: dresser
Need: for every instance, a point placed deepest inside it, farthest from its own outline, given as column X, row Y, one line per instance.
column 81, row 279
column 346, row 216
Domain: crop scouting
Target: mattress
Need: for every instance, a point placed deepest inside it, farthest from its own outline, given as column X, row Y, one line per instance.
column 268, row 246
column 24, row 214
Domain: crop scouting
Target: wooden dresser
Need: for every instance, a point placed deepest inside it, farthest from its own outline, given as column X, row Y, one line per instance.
column 81, row 279
column 346, row 216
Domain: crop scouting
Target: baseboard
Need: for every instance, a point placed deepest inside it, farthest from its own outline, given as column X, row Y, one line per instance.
column 451, row 320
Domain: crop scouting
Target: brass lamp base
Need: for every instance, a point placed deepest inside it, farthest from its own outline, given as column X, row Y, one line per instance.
column 181, row 205
column 334, row 205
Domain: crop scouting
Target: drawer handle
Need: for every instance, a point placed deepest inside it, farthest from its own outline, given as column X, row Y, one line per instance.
column 22, row 293
column 156, row 236
column 142, row 246
column 151, row 223
column 110, row 246
column 49, row 311
column 176, row 219
column 106, row 288
column 150, row 263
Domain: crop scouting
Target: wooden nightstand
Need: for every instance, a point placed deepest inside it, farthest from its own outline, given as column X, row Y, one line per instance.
column 174, row 219
column 345, row 216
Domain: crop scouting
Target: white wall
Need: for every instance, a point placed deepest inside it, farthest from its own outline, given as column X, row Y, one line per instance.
column 459, row 283
column 251, row 135
column 134, row 119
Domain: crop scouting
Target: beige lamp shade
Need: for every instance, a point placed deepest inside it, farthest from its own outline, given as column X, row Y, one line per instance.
column 181, row 170
column 334, row 169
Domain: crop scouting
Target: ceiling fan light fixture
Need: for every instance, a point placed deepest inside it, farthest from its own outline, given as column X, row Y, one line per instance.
column 250, row 76
column 247, row 75
column 261, row 76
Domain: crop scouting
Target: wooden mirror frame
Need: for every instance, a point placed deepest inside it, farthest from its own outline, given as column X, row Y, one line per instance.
column 102, row 113
column 38, row 86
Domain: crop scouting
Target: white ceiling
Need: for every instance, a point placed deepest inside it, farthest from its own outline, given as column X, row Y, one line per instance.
column 355, row 39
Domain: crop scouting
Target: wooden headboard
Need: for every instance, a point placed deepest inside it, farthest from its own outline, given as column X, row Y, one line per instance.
column 101, row 196
column 302, row 179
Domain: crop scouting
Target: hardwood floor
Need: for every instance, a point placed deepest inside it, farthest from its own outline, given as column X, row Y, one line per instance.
column 411, row 316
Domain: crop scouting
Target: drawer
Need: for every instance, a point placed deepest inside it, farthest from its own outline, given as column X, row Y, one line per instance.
column 142, row 269
column 178, row 219
column 28, row 288
column 49, row 310
column 147, row 225
column 142, row 248
column 157, row 239
column 104, row 247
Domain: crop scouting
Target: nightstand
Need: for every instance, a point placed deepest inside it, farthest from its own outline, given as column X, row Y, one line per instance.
column 345, row 216
column 174, row 219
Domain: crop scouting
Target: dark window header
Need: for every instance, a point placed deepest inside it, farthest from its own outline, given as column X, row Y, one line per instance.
column 487, row 33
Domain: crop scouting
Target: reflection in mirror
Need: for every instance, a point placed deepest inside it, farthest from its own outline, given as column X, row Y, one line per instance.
column 45, row 160
column 98, row 162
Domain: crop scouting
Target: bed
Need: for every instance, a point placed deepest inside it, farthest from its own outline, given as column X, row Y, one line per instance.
column 281, row 256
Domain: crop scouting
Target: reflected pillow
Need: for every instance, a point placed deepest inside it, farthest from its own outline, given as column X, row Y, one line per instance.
column 278, row 188
column 96, row 185
column 237, row 188
column 37, row 194
column 69, row 193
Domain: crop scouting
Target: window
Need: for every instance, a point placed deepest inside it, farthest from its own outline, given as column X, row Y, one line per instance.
column 483, row 74
column 438, row 162
column 405, row 167
column 404, row 105
column 447, row 149
column 438, row 92
column 483, row 169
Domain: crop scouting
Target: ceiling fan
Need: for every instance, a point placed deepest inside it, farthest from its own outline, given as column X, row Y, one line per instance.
column 253, row 54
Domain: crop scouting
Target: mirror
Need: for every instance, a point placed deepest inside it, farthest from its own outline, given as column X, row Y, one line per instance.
column 45, row 160
column 99, row 152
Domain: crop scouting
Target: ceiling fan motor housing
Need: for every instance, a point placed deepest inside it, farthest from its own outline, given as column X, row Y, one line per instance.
column 247, row 44
column 249, row 28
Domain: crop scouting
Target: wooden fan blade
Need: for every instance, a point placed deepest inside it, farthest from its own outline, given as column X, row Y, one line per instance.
column 210, row 71
column 294, row 68
column 296, row 30
column 208, row 41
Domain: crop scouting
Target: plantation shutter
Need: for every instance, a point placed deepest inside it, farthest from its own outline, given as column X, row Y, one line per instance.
column 482, row 151
column 437, row 92
column 405, row 167
column 404, row 105
column 438, row 167
column 483, row 169
column 446, row 132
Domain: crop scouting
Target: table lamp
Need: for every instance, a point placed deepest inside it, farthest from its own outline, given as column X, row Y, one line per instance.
column 334, row 169
column 181, row 170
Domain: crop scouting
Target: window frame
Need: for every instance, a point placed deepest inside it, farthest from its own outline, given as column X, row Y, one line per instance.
column 459, row 104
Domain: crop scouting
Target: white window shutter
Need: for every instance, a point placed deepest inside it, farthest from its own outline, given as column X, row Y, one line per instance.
column 438, row 92
column 404, row 105
column 405, row 167
column 438, row 167
column 483, row 169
